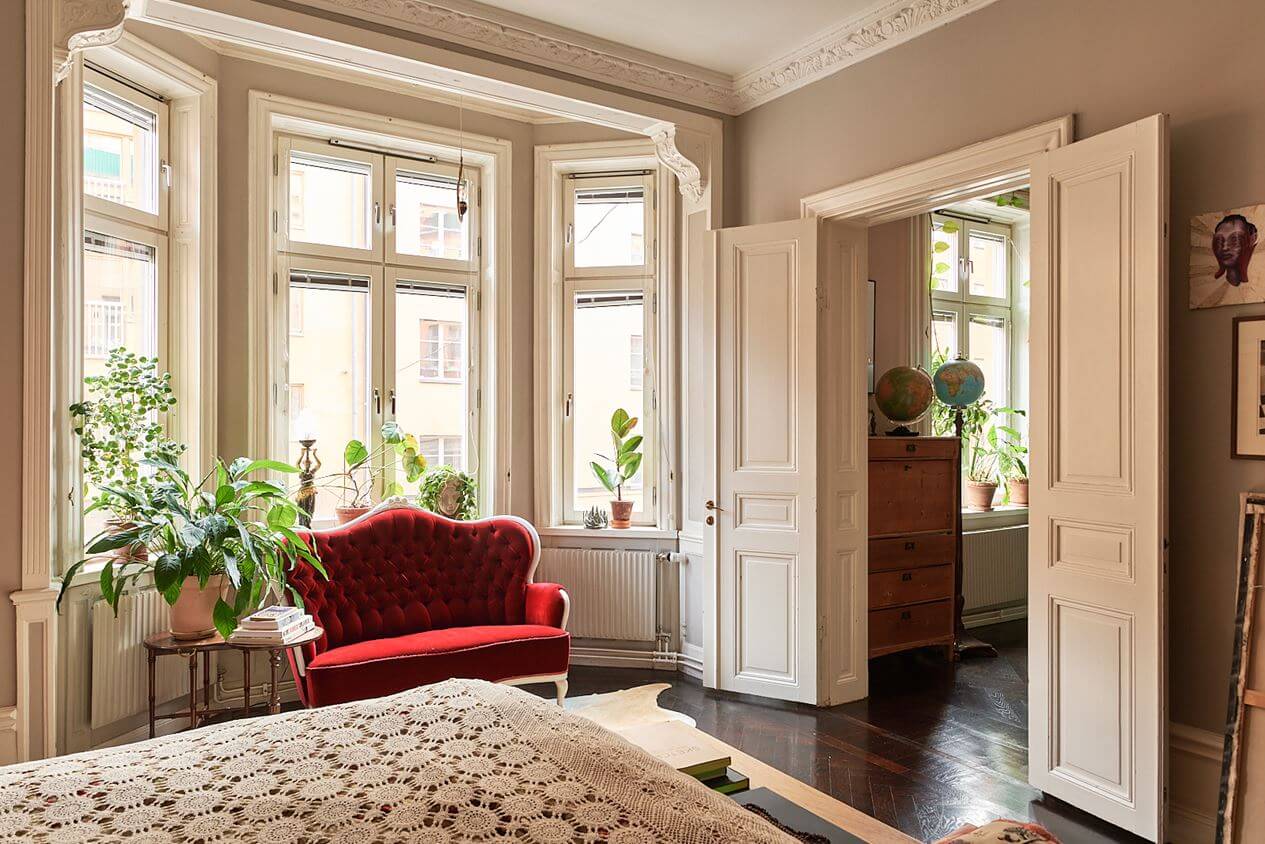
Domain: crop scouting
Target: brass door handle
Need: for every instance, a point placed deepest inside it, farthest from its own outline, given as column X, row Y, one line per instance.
column 711, row 505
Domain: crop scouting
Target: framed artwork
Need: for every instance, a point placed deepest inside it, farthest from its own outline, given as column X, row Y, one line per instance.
column 1247, row 390
column 1222, row 270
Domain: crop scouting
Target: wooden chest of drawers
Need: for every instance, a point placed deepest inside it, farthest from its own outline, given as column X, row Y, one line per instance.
column 914, row 503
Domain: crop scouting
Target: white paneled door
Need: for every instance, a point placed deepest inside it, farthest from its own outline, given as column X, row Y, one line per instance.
column 1098, row 705
column 766, row 463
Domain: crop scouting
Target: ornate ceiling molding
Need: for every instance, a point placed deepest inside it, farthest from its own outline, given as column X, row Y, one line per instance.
column 486, row 28
column 80, row 24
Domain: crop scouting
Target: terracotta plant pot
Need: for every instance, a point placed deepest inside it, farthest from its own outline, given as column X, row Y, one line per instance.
column 193, row 613
column 621, row 514
column 136, row 551
column 1018, row 491
column 980, row 496
column 346, row 514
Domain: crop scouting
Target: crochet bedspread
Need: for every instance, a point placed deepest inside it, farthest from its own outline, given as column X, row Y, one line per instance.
column 462, row 760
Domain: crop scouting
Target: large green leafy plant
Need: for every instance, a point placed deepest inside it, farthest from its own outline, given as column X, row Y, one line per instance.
column 627, row 460
column 120, row 426
column 364, row 466
column 205, row 530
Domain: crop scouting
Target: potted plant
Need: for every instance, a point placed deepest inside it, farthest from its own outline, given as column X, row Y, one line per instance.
column 623, row 466
column 1012, row 457
column 203, row 539
column 449, row 492
column 363, row 467
column 979, row 455
column 120, row 424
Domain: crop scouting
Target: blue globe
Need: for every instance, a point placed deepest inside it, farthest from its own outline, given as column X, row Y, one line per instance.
column 958, row 383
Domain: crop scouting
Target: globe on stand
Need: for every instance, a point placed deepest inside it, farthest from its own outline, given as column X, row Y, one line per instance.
column 903, row 394
column 958, row 383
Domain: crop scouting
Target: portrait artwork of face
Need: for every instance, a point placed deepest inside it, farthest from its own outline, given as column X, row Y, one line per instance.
column 1233, row 241
column 1222, row 271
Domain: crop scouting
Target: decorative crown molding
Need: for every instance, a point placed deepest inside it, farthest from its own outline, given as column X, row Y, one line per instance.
column 484, row 27
column 80, row 24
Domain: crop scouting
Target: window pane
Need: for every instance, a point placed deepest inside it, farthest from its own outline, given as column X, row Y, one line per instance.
column 988, row 265
column 604, row 326
column 330, row 201
column 330, row 376
column 610, row 227
column 944, row 333
column 120, row 151
column 987, row 340
column 636, row 362
column 431, row 370
column 426, row 217
column 120, row 301
column 944, row 255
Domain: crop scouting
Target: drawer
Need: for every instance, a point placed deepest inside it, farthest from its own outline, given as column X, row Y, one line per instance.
column 913, row 448
column 900, row 627
column 912, row 496
column 907, row 552
column 910, row 586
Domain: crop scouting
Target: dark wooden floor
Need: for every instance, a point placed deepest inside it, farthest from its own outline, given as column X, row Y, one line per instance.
column 930, row 749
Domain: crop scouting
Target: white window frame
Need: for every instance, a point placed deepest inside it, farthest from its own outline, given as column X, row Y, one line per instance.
column 554, row 298
column 386, row 269
column 966, row 305
column 287, row 145
column 634, row 179
column 469, row 175
column 117, row 210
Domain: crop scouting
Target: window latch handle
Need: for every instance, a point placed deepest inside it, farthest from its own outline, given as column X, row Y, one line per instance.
column 567, row 406
column 377, row 213
column 377, row 400
column 393, row 402
column 392, row 215
column 570, row 232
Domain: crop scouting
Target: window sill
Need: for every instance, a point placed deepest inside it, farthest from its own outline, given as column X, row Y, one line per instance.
column 1009, row 515
column 635, row 532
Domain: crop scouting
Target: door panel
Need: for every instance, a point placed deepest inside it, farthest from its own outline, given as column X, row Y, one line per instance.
column 766, row 420
column 1098, row 712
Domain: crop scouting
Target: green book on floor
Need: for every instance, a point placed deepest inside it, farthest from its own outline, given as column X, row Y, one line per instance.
column 730, row 782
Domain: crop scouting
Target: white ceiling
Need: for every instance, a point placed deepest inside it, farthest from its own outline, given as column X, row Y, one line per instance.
column 725, row 36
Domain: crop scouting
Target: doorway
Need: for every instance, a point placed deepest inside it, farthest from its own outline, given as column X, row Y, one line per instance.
column 1097, row 699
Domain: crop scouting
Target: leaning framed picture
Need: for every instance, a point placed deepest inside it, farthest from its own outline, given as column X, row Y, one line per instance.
column 1247, row 389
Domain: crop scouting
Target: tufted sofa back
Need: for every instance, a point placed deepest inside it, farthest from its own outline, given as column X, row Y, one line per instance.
column 403, row 570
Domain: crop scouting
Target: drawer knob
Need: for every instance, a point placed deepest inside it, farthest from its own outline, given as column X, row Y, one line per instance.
column 909, row 546
column 905, row 616
column 907, row 576
column 912, row 448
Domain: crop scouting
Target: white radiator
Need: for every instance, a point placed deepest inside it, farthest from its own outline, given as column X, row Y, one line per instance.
column 994, row 568
column 612, row 592
column 120, row 671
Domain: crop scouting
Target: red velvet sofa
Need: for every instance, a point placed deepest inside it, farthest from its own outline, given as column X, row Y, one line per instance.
column 414, row 598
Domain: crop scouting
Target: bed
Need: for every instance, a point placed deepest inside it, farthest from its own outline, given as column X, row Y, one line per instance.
column 462, row 760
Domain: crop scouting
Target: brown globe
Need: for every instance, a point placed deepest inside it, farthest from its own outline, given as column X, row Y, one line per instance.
column 903, row 394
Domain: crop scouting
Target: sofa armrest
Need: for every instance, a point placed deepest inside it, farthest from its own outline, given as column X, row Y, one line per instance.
column 548, row 604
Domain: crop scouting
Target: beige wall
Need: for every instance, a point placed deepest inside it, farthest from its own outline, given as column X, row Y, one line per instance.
column 12, row 131
column 1018, row 62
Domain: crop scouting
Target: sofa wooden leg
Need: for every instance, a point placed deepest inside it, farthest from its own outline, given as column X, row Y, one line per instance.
column 562, row 689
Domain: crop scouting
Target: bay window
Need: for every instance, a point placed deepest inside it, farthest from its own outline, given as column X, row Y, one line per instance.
column 123, row 297
column 609, row 328
column 383, row 302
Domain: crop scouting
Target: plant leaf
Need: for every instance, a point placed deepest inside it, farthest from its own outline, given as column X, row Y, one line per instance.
column 167, row 572
column 628, row 468
column 225, row 618
column 630, row 444
column 602, row 476
column 355, row 453
column 392, row 433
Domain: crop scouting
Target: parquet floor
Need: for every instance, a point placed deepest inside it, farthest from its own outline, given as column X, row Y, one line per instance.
column 930, row 749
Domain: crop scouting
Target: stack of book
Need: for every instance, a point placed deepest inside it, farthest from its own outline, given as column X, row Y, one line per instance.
column 272, row 626
column 682, row 747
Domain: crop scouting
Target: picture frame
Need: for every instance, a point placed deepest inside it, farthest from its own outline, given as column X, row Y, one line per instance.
column 1247, row 389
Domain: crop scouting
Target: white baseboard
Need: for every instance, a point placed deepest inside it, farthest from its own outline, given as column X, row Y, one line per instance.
column 981, row 618
column 691, row 660
column 1194, row 783
column 623, row 658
